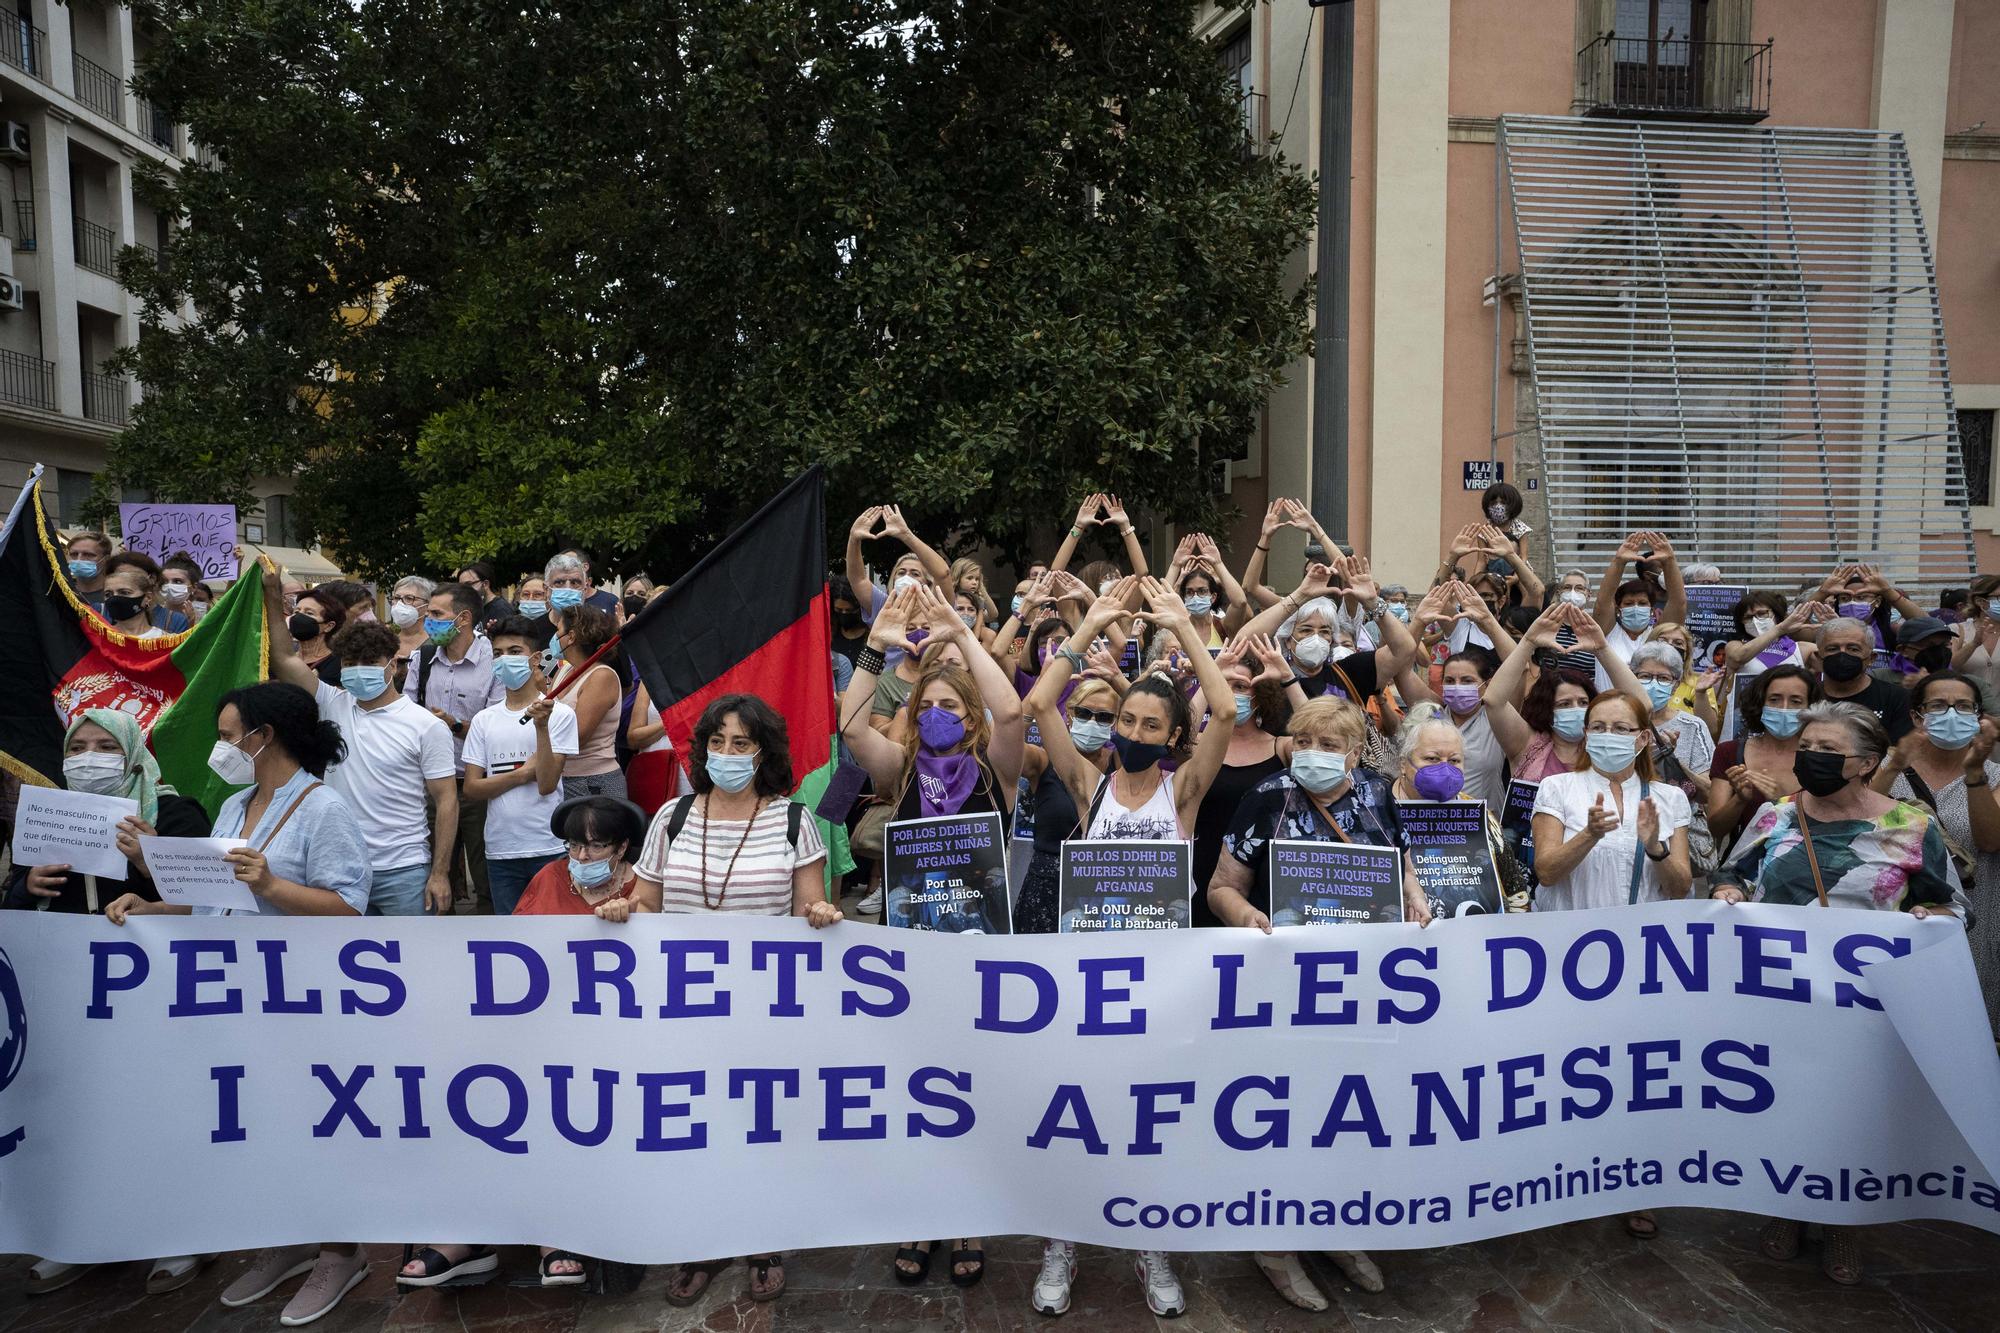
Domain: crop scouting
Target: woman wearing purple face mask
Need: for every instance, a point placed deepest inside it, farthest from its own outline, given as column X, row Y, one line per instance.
column 962, row 754
column 1431, row 754
column 1484, row 757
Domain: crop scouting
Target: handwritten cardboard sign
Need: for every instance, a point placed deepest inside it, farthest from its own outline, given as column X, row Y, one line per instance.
column 205, row 532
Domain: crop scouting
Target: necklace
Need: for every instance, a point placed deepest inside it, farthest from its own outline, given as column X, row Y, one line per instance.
column 723, row 892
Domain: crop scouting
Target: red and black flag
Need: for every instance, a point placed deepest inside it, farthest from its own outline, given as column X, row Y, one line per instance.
column 750, row 618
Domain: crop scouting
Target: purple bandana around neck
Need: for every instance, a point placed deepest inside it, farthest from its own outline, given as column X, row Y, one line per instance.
column 944, row 781
column 1777, row 653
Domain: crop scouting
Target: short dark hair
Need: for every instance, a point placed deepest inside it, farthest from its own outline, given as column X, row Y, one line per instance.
column 839, row 589
column 1505, row 493
column 346, row 592
column 481, row 570
column 138, row 560
column 766, row 727
column 1638, row 587
column 294, row 720
column 1031, row 656
column 366, row 641
column 186, row 563
column 1753, row 697
column 1767, row 598
column 1922, row 688
column 1482, row 659
column 586, row 627
column 1538, row 709
column 464, row 597
column 1180, row 718
column 603, row 819
column 535, row 629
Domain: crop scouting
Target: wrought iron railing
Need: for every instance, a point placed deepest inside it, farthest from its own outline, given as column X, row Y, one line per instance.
column 27, row 380
column 106, row 398
column 23, row 45
column 24, row 224
column 98, row 88
column 156, row 124
column 1678, row 77
column 96, row 248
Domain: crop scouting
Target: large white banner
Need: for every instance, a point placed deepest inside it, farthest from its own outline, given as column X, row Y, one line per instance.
column 690, row 1087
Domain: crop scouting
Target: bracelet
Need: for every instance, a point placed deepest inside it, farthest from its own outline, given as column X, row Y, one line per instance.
column 1076, row 532
column 1262, row 547
column 1665, row 852
column 1071, row 656
column 1970, row 783
column 1126, row 530
column 870, row 659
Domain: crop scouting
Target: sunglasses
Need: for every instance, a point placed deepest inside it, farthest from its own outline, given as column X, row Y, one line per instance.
column 1093, row 715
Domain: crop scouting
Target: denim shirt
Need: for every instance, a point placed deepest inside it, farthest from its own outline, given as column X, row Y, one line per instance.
column 320, row 846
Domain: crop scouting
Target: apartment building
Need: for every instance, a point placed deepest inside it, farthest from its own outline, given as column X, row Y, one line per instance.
column 72, row 137
column 1727, row 262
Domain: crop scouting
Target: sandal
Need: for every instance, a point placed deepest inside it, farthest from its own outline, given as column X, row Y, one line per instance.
column 575, row 1279
column 1641, row 1226
column 968, row 1255
column 762, row 1286
column 439, row 1270
column 1289, row 1279
column 174, row 1272
column 918, row 1254
column 1780, row 1239
column 1840, row 1257
column 684, row 1289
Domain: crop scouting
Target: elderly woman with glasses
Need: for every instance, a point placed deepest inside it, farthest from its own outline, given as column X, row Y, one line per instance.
column 1841, row 843
column 407, row 602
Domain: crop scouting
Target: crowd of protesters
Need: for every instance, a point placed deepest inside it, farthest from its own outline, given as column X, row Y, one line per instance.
column 450, row 748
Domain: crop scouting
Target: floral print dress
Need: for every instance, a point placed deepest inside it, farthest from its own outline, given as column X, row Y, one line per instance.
column 1892, row 862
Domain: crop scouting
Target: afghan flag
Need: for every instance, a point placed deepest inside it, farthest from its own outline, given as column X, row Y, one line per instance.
column 59, row 657
column 751, row 618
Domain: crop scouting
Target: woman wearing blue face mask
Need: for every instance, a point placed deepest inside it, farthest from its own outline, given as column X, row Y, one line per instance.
column 737, row 844
column 1629, row 606
column 1676, row 731
column 1945, row 763
column 1612, row 833
column 1757, row 766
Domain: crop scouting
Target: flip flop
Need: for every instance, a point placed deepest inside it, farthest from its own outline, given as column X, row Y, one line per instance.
column 760, row 1274
column 706, row 1270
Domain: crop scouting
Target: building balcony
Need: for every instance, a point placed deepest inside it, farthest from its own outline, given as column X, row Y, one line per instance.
column 27, row 380
column 23, row 45
column 107, row 398
column 24, row 224
column 1639, row 78
column 98, row 88
column 156, row 124
column 96, row 248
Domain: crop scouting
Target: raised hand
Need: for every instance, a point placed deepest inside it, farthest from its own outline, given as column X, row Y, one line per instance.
column 1067, row 587
column 1602, row 820
column 1275, row 517
column 1318, row 579
column 1101, row 664
column 892, row 623
column 1494, row 542
column 1542, row 634
column 1437, row 604
column 868, row 526
column 1465, row 542
column 1355, row 573
column 1110, row 608
column 1275, row 668
column 1982, row 746
column 933, row 610
column 130, row 830
column 1707, row 680
column 1635, row 546
column 1649, row 823
column 1298, row 516
column 1087, row 512
column 1205, row 550
column 1114, row 512
column 893, row 524
column 1589, row 636
column 1165, row 607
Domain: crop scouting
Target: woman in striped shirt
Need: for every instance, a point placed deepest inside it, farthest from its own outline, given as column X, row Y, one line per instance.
column 734, row 846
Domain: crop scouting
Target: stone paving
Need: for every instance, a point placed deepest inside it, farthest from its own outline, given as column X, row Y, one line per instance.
column 1702, row 1275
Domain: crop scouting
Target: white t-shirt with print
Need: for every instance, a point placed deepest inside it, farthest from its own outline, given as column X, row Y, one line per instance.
column 517, row 820
column 391, row 752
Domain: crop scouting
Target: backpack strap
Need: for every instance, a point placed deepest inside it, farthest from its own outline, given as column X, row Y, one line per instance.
column 1096, row 803
column 679, row 818
column 795, row 818
column 425, row 656
column 1639, row 848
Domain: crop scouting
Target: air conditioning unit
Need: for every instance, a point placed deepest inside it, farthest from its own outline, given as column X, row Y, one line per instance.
column 10, row 293
column 16, row 145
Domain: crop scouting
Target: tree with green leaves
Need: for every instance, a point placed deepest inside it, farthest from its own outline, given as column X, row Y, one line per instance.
column 489, row 279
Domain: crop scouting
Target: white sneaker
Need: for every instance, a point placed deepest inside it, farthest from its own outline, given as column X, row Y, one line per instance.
column 1163, row 1289
column 1052, row 1284
column 871, row 904
column 49, row 1275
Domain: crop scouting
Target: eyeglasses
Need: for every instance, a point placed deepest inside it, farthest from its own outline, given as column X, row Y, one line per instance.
column 1611, row 729
column 590, row 848
column 1093, row 715
column 1941, row 707
column 1664, row 680
column 409, row 599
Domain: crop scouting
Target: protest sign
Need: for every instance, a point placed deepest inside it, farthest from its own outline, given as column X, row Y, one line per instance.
column 1334, row 883
column 190, row 872
column 1447, row 842
column 205, row 532
column 1517, row 823
column 1711, row 623
column 680, row 1086
column 56, row 826
column 947, row 873
column 1124, row 884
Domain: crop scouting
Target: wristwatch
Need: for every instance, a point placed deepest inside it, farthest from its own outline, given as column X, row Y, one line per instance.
column 1373, row 610
column 1981, row 783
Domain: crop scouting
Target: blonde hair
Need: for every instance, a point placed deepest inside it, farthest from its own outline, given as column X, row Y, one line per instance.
column 1091, row 688
column 1658, row 634
column 1330, row 718
column 983, row 598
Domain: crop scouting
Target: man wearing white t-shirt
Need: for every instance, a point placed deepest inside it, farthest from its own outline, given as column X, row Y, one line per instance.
column 397, row 754
column 514, row 753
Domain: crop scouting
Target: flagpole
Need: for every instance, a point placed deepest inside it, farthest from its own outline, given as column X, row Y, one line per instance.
column 587, row 664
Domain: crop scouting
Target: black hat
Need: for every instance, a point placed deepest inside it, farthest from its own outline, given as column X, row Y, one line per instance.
column 634, row 818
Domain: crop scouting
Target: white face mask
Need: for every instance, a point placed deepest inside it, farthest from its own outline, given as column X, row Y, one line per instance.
column 1104, row 588
column 904, row 582
column 95, row 772
column 404, row 614
column 1342, row 653
column 1761, row 624
column 232, row 765
column 175, row 593
column 1574, row 596
column 1311, row 653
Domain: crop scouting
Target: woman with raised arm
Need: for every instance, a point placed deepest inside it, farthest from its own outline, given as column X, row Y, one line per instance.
column 1541, row 727
column 1467, row 674
column 952, row 760
column 1265, row 696
column 1306, row 623
column 1133, row 799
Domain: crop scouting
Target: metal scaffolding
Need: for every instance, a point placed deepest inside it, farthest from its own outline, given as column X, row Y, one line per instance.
column 1733, row 334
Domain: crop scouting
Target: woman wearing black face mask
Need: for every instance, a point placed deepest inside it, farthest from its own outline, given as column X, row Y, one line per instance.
column 1841, row 844
column 131, row 583
column 313, row 625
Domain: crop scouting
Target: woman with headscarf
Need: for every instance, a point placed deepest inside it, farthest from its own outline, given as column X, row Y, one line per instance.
column 105, row 754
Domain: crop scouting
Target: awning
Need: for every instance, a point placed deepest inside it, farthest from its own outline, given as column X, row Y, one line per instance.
column 1734, row 336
